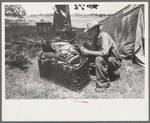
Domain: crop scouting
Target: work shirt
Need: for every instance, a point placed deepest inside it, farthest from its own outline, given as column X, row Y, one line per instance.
column 105, row 44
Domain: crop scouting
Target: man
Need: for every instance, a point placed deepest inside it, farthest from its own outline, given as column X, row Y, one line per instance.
column 107, row 58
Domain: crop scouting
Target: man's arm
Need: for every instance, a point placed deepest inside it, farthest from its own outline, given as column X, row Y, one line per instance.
column 95, row 53
column 104, row 52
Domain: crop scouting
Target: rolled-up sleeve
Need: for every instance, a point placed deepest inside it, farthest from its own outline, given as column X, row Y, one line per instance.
column 105, row 46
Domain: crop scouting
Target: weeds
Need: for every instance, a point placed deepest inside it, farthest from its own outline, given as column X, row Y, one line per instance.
column 18, row 51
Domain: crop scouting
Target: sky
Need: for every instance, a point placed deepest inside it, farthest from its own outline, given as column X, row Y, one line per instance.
column 46, row 7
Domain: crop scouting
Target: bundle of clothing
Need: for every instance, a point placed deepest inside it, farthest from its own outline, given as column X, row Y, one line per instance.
column 64, row 52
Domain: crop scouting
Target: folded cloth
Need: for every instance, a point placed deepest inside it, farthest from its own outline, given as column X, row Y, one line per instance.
column 51, row 55
column 70, row 59
column 64, row 47
column 64, row 52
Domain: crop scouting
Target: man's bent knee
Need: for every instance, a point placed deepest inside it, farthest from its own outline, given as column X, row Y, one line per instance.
column 113, row 63
column 99, row 59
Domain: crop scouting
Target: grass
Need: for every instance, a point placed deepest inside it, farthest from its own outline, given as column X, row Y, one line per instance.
column 27, row 84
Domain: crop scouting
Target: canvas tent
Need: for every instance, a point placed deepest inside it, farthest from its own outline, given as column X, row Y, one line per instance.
column 127, row 29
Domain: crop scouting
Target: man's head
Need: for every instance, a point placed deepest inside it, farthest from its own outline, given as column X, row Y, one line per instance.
column 93, row 31
column 93, row 27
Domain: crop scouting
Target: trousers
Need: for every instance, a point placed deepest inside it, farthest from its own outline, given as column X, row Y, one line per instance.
column 103, row 66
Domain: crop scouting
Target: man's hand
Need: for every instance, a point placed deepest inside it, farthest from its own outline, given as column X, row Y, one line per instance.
column 84, row 51
column 42, row 42
column 90, row 52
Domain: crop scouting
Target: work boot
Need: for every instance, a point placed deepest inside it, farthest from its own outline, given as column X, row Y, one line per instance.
column 113, row 76
column 102, row 88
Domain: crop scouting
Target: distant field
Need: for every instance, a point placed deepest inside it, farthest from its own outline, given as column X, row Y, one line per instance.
column 81, row 22
column 78, row 22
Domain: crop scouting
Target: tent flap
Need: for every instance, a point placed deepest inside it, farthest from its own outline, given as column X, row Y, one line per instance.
column 140, row 37
column 126, row 27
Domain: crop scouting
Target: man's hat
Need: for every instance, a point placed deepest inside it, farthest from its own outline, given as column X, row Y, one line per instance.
column 91, row 24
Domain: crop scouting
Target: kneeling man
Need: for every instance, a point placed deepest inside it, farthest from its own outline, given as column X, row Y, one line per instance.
column 107, row 58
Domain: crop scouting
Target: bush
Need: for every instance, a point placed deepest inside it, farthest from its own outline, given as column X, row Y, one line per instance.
column 16, row 52
column 15, row 56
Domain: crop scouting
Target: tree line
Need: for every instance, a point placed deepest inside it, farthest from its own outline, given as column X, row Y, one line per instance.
column 76, row 14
